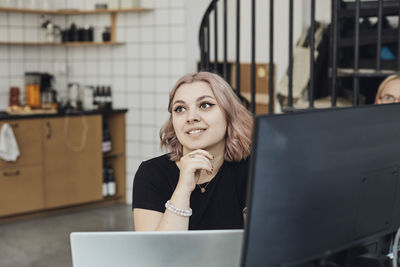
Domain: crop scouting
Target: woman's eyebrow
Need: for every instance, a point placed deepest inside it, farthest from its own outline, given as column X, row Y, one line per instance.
column 204, row 96
column 178, row 101
column 198, row 99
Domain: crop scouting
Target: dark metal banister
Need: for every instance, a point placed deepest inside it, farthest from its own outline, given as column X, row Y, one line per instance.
column 271, row 58
column 356, row 80
column 237, row 48
column 312, row 39
column 204, row 39
column 208, row 43
column 205, row 24
column 225, row 42
column 379, row 44
column 334, row 49
column 398, row 43
column 215, row 35
column 253, row 57
column 290, row 71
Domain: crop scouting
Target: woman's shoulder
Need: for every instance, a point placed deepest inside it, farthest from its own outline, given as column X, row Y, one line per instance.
column 158, row 160
column 237, row 168
column 243, row 164
column 156, row 164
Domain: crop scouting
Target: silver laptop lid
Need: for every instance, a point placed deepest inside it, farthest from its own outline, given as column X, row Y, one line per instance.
column 209, row 248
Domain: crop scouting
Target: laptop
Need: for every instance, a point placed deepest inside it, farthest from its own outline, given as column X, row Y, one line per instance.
column 205, row 248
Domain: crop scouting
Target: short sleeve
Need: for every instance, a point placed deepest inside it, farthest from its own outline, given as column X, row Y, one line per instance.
column 147, row 189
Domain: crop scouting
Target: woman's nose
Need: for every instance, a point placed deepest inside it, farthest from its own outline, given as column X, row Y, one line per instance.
column 193, row 116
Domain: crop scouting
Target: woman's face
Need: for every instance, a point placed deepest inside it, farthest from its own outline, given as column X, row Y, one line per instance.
column 198, row 120
column 391, row 93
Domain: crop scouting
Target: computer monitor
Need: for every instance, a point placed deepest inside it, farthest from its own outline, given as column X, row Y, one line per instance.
column 322, row 182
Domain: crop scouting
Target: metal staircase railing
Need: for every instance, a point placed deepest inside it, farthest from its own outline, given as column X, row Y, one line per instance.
column 204, row 41
column 334, row 78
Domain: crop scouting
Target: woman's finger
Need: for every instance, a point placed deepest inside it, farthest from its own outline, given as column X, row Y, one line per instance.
column 200, row 159
column 200, row 152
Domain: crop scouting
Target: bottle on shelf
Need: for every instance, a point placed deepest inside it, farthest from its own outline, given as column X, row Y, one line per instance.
column 108, row 104
column 103, row 97
column 96, row 96
column 106, row 143
column 105, row 181
column 100, row 97
column 111, row 187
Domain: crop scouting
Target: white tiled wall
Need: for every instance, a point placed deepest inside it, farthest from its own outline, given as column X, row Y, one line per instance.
column 141, row 72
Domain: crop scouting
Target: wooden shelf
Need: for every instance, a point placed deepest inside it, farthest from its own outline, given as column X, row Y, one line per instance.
column 68, row 12
column 73, row 11
column 61, row 44
column 112, row 155
column 114, row 198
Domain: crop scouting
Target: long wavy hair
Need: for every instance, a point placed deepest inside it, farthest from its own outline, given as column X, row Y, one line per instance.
column 239, row 119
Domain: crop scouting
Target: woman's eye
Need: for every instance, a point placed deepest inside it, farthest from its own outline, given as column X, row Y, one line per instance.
column 389, row 98
column 179, row 109
column 206, row 105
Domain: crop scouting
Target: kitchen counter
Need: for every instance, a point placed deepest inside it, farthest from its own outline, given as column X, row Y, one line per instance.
column 5, row 116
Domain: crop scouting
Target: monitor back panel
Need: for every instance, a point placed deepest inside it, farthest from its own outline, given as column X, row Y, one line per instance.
column 320, row 180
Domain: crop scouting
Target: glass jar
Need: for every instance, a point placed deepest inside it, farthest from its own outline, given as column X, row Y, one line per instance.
column 14, row 96
column 32, row 89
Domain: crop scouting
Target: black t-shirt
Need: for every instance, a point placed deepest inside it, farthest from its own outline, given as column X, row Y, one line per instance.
column 219, row 207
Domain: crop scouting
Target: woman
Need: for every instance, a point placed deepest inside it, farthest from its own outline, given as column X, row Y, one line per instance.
column 389, row 90
column 201, row 184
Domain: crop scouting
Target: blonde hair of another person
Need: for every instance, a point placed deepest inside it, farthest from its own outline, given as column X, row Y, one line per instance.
column 383, row 85
column 239, row 119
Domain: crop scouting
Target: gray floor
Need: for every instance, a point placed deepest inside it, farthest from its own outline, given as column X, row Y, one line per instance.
column 44, row 241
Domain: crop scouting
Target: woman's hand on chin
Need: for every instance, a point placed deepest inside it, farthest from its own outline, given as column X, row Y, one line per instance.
column 190, row 167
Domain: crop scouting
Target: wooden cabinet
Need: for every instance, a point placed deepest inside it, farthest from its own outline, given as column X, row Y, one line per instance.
column 72, row 160
column 28, row 134
column 21, row 181
column 61, row 163
column 21, row 190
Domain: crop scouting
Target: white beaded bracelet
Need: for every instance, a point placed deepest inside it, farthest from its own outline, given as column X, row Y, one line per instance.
column 178, row 211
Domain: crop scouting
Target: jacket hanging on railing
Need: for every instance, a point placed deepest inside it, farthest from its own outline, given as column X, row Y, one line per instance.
column 301, row 67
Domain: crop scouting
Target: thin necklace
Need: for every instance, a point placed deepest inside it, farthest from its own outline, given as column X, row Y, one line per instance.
column 203, row 189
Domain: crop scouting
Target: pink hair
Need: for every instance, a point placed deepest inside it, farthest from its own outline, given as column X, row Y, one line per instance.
column 239, row 119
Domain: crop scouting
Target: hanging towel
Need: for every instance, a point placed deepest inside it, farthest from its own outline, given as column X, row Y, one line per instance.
column 9, row 150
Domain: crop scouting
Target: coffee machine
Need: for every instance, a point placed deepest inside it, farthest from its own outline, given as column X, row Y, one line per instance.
column 48, row 93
